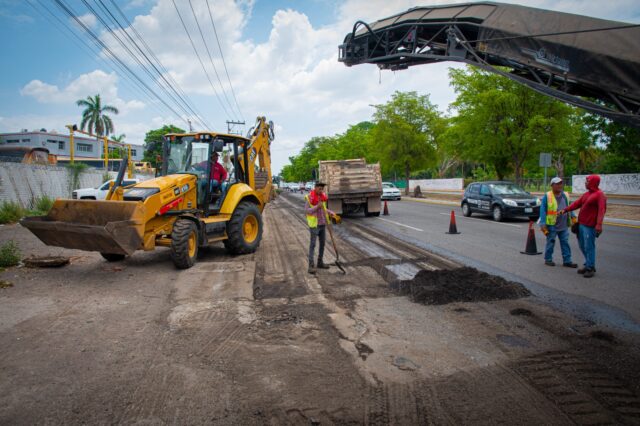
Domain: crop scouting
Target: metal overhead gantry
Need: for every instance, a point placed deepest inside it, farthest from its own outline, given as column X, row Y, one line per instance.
column 587, row 62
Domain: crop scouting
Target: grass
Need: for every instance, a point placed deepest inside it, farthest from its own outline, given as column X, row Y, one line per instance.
column 9, row 254
column 11, row 212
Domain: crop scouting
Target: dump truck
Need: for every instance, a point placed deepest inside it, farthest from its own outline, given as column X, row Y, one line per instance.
column 353, row 186
column 180, row 209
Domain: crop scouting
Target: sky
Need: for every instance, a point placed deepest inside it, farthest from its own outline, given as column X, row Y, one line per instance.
column 281, row 58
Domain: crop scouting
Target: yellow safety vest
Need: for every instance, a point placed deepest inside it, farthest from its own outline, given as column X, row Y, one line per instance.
column 312, row 220
column 552, row 209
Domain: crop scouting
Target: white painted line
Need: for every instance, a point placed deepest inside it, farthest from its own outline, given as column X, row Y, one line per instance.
column 487, row 221
column 402, row 224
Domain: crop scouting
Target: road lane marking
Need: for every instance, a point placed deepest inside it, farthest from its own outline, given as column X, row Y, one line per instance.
column 487, row 221
column 402, row 224
column 624, row 225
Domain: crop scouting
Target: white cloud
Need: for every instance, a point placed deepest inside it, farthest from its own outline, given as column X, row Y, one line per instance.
column 88, row 20
column 293, row 78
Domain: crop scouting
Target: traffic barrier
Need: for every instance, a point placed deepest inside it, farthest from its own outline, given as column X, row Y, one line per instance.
column 453, row 229
column 385, row 211
column 531, row 247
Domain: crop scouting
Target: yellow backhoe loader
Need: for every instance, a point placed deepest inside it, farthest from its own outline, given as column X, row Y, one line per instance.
column 179, row 209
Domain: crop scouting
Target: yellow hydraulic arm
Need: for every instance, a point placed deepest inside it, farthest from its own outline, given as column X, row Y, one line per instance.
column 258, row 148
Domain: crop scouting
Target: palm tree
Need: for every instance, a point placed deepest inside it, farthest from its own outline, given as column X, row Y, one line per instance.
column 119, row 138
column 94, row 117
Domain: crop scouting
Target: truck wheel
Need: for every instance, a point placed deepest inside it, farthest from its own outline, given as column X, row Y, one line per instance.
column 244, row 230
column 113, row 257
column 184, row 243
column 367, row 213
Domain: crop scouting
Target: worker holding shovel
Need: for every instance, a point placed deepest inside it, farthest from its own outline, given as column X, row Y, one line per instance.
column 318, row 217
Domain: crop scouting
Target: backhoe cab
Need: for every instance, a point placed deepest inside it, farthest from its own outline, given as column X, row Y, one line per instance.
column 178, row 209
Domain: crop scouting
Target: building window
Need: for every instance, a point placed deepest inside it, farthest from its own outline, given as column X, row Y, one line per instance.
column 13, row 140
column 26, row 140
column 60, row 144
column 83, row 147
column 133, row 152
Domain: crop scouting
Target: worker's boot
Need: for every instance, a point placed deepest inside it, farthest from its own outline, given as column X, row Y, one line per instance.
column 589, row 273
column 321, row 265
column 312, row 269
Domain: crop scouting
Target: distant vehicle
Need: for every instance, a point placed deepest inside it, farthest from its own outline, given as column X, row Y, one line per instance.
column 353, row 186
column 390, row 191
column 99, row 193
column 144, row 167
column 309, row 186
column 500, row 199
column 27, row 155
column 301, row 187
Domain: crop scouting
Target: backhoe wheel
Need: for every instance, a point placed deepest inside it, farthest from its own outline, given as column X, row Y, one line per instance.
column 244, row 229
column 184, row 243
column 113, row 257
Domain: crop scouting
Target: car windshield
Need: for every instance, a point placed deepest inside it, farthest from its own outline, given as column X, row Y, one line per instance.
column 187, row 156
column 507, row 188
column 388, row 185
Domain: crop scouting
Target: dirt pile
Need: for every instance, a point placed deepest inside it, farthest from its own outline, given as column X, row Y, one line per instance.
column 458, row 285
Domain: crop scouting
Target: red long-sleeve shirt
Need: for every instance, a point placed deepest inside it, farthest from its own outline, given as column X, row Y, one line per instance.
column 593, row 206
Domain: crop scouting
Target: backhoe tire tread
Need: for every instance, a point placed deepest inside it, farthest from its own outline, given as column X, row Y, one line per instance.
column 235, row 243
column 182, row 229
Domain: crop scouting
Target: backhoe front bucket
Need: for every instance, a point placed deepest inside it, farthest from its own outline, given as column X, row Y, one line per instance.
column 106, row 226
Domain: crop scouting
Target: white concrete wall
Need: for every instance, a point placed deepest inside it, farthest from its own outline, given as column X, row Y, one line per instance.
column 437, row 184
column 621, row 184
column 23, row 183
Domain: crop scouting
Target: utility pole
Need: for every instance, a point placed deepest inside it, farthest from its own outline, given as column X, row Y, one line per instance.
column 231, row 127
column 190, row 128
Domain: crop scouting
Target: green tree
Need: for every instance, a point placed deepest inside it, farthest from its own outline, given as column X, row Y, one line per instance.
column 506, row 125
column 153, row 141
column 621, row 143
column 406, row 133
column 94, row 116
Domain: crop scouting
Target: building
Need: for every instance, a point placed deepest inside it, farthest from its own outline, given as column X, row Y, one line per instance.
column 58, row 143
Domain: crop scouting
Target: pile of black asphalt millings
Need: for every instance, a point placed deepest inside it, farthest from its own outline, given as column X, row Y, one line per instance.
column 458, row 285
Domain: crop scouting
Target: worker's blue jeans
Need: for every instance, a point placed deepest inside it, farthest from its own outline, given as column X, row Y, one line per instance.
column 587, row 241
column 320, row 233
column 563, row 237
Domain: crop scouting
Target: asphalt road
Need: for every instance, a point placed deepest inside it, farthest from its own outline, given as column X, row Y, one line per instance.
column 613, row 293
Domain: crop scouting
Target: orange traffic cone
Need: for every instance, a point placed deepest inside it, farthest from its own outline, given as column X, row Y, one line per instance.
column 453, row 229
column 531, row 247
column 385, row 212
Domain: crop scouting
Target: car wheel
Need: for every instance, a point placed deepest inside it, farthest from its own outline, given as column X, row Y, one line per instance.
column 497, row 213
column 466, row 210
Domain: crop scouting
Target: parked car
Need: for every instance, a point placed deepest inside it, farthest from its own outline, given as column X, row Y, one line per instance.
column 99, row 193
column 500, row 199
column 309, row 186
column 390, row 191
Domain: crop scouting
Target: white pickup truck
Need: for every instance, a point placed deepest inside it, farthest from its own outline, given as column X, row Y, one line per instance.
column 99, row 193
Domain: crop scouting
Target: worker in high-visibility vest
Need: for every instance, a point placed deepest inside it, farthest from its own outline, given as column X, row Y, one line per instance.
column 318, row 215
column 554, row 222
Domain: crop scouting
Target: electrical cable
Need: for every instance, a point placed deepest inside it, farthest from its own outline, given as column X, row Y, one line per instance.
column 223, row 61
column 199, row 59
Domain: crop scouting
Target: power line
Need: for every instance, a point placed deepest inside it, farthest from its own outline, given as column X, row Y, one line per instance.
column 215, row 70
column 135, row 58
column 223, row 61
column 86, row 46
column 153, row 55
column 199, row 59
column 106, row 48
column 189, row 109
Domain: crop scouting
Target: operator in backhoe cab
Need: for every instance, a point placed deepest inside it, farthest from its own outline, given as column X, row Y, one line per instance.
column 317, row 217
column 218, row 172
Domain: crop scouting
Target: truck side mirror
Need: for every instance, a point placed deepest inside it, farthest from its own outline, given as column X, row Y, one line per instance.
column 217, row 145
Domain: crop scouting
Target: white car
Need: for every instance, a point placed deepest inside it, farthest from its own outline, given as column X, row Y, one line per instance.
column 99, row 193
column 390, row 191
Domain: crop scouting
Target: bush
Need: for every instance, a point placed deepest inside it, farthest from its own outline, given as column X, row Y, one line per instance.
column 9, row 254
column 11, row 212
column 42, row 205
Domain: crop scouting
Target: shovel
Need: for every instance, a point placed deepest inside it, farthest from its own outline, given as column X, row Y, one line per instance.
column 333, row 241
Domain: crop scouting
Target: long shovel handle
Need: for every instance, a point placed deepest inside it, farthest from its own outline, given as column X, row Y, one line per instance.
column 333, row 242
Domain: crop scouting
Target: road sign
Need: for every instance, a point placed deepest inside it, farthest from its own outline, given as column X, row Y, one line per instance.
column 545, row 159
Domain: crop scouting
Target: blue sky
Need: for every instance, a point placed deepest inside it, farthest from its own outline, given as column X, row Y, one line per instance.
column 281, row 56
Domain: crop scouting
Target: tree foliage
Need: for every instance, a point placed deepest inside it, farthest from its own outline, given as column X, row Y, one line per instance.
column 94, row 117
column 153, row 142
